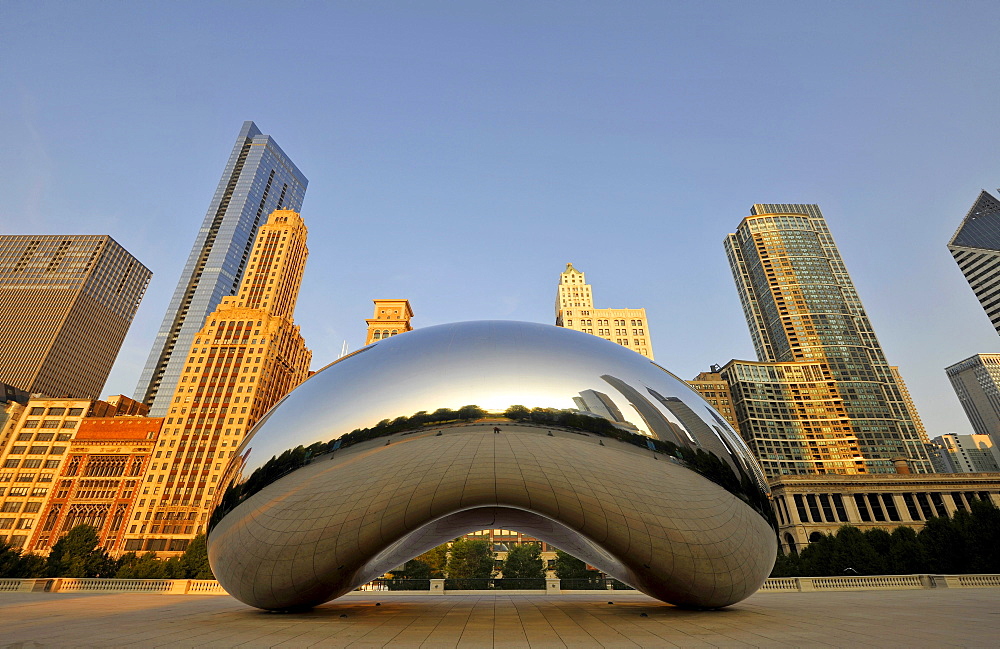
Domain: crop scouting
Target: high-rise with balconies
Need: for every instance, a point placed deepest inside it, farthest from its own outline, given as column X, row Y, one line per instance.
column 259, row 178
column 821, row 398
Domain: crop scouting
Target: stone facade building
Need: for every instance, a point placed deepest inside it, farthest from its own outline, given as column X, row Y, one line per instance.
column 575, row 310
column 247, row 356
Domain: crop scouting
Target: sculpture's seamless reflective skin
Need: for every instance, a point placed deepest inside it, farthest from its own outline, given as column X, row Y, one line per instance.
column 387, row 452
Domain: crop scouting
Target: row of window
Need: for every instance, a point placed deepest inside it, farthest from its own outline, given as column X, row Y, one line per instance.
column 13, row 463
column 14, row 492
column 48, row 423
column 37, row 450
column 57, row 412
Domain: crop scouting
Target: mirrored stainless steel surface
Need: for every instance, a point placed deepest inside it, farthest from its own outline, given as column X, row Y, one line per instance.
column 392, row 450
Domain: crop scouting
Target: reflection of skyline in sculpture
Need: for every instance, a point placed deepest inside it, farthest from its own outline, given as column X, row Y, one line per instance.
column 706, row 437
column 602, row 405
column 658, row 425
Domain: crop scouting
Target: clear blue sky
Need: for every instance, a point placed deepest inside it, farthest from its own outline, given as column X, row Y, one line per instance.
column 460, row 153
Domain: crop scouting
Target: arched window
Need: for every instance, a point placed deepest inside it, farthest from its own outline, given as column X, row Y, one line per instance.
column 815, row 536
column 377, row 335
column 790, row 542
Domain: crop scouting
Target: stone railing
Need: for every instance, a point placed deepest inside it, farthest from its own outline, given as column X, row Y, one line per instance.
column 437, row 586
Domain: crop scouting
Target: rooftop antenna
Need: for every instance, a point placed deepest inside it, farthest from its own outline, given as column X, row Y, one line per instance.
column 343, row 350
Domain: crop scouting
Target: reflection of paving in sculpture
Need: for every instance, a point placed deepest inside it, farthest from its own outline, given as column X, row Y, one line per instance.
column 374, row 460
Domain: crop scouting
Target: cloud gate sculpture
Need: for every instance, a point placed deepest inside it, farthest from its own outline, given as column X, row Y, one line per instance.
column 391, row 451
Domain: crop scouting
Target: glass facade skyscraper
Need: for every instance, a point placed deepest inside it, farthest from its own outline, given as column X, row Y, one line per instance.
column 821, row 398
column 976, row 249
column 259, row 178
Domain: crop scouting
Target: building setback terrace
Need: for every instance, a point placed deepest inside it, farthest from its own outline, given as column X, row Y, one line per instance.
column 905, row 618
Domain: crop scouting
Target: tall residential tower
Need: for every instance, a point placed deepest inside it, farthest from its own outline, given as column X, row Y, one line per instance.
column 247, row 356
column 259, row 178
column 821, row 398
column 66, row 303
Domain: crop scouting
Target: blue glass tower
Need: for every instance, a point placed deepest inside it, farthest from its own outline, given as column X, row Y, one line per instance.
column 259, row 178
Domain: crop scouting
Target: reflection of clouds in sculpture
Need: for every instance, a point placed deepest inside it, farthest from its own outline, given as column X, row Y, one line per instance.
column 409, row 400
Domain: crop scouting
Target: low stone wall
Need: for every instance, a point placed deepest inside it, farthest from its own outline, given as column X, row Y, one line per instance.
column 778, row 585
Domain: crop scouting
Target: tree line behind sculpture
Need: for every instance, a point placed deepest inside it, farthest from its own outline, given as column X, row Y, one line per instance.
column 77, row 554
column 469, row 564
column 968, row 542
column 708, row 465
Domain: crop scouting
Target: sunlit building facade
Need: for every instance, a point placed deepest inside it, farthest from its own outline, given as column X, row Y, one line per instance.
column 821, row 387
column 575, row 310
column 66, row 303
column 249, row 355
column 391, row 317
column 37, row 443
column 810, row 506
column 259, row 178
column 98, row 482
column 715, row 390
column 966, row 453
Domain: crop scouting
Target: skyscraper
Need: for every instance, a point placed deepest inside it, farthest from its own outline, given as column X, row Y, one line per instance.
column 259, row 178
column 247, row 356
column 66, row 303
column 976, row 249
column 821, row 398
column 976, row 381
column 967, row 453
column 575, row 310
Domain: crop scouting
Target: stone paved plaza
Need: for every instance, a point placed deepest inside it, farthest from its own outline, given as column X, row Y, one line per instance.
column 917, row 618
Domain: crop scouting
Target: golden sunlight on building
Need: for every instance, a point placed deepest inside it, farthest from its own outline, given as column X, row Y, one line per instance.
column 391, row 317
column 248, row 355
column 575, row 310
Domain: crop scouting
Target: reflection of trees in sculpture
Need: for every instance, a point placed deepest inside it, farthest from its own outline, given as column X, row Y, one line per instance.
column 299, row 456
column 708, row 464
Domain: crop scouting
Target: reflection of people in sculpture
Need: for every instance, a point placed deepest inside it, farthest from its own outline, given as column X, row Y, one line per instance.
column 496, row 429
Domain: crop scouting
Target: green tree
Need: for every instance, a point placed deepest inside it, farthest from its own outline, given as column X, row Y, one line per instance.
column 983, row 533
column 470, row 559
column 905, row 557
column 524, row 561
column 412, row 569
column 471, row 412
column 943, row 545
column 437, row 561
column 786, row 565
column 194, row 561
column 880, row 541
column 146, row 566
column 77, row 555
column 851, row 549
column 569, row 567
column 517, row 413
column 14, row 563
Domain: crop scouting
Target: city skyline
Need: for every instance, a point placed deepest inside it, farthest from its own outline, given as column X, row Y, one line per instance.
column 473, row 153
